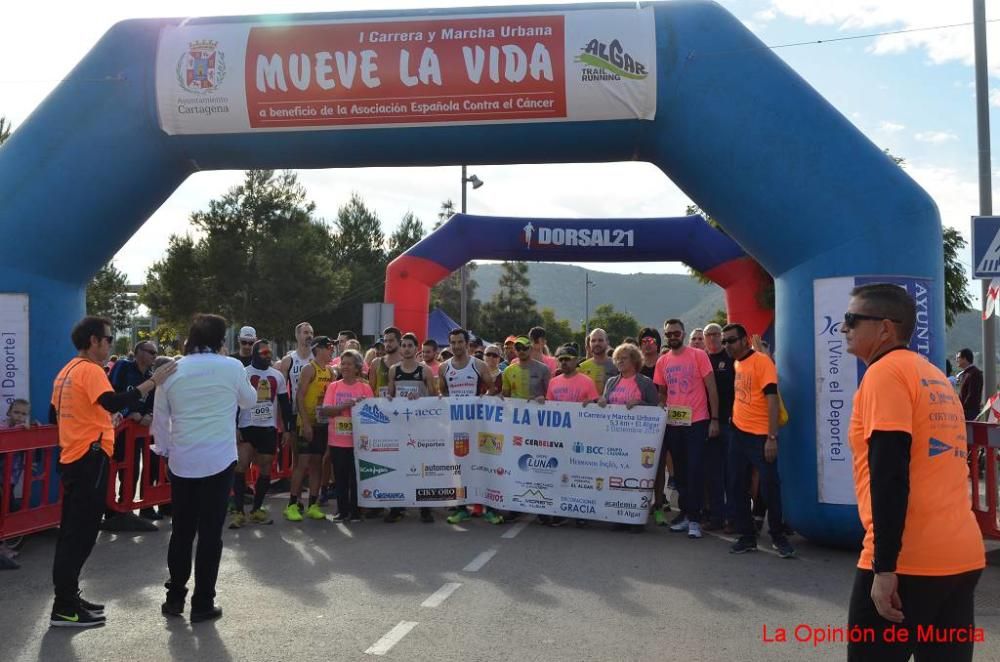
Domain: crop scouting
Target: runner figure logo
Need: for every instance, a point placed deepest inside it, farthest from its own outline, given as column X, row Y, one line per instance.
column 202, row 67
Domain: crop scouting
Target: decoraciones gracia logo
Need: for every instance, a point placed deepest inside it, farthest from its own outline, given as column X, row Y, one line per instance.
column 202, row 67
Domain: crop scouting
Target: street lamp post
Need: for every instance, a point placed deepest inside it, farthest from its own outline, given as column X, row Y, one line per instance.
column 985, row 186
column 463, row 312
column 587, row 284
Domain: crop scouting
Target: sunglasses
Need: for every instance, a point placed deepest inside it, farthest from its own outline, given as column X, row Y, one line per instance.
column 851, row 319
column 648, row 341
column 492, row 355
column 674, row 334
column 521, row 348
column 731, row 340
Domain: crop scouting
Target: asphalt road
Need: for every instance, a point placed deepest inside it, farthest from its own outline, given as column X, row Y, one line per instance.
column 412, row 591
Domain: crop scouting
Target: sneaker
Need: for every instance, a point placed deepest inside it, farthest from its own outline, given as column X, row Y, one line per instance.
column 209, row 614
column 493, row 517
column 339, row 518
column 394, row 515
column 426, row 516
column 783, row 547
column 293, row 513
column 315, row 512
column 239, row 519
column 659, row 517
column 92, row 607
column 459, row 516
column 694, row 530
column 76, row 617
column 169, row 608
column 744, row 545
column 680, row 523
column 677, row 520
column 260, row 517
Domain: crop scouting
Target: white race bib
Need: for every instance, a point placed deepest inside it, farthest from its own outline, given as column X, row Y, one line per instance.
column 262, row 414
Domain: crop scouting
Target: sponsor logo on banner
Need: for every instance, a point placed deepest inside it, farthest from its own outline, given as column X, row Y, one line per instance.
column 648, row 455
column 577, row 505
column 372, row 470
column 606, row 451
column 599, row 483
column 379, row 495
column 490, row 443
column 495, row 497
column 440, row 493
column 202, row 68
column 539, row 443
column 372, row 414
column 432, row 412
column 440, row 469
column 629, row 483
column 424, row 443
column 555, row 237
column 623, row 508
column 370, row 445
column 609, row 61
column 532, row 498
column 545, row 464
column 461, row 441
column 594, row 464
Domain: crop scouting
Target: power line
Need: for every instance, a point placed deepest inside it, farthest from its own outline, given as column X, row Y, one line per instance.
column 877, row 34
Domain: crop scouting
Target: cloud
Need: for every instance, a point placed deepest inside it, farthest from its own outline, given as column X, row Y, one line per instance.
column 890, row 127
column 935, row 137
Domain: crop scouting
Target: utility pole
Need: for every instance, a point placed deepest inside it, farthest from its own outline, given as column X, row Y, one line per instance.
column 587, row 284
column 463, row 307
column 985, row 194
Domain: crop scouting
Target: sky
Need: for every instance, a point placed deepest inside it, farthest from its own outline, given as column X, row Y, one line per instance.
column 912, row 93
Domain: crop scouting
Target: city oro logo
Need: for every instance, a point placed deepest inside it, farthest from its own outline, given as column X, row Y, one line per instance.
column 440, row 493
column 202, row 67
column 609, row 61
column 461, row 441
column 490, row 443
column 369, row 470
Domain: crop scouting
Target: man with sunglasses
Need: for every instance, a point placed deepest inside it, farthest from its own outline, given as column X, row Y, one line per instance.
column 527, row 378
column 247, row 337
column 754, row 442
column 599, row 367
column 923, row 553
column 687, row 390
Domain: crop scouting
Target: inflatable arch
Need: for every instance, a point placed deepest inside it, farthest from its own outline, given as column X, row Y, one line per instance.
column 689, row 239
column 792, row 181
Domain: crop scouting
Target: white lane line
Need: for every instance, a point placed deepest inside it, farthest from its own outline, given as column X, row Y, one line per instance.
column 514, row 530
column 480, row 561
column 391, row 638
column 440, row 595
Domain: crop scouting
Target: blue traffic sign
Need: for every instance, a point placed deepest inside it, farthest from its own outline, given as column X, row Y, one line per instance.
column 986, row 246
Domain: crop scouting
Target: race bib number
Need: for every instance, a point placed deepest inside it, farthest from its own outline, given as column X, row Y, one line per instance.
column 677, row 415
column 404, row 390
column 321, row 418
column 383, row 391
column 343, row 425
column 262, row 414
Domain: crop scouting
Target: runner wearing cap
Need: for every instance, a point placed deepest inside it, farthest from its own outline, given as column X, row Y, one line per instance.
column 599, row 367
column 527, row 378
column 247, row 337
column 509, row 353
column 257, row 434
column 312, row 429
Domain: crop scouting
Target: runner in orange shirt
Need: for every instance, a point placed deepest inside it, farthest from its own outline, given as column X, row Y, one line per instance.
column 923, row 552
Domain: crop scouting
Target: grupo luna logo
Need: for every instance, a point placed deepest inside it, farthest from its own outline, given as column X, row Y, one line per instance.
column 202, row 67
column 372, row 414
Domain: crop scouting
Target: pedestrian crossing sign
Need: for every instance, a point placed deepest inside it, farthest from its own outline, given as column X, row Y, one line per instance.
column 986, row 246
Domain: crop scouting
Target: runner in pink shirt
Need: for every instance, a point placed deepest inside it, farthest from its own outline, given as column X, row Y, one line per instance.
column 340, row 396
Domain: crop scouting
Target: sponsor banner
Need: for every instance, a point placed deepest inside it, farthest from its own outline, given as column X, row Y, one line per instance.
column 14, row 373
column 499, row 68
column 839, row 373
column 552, row 459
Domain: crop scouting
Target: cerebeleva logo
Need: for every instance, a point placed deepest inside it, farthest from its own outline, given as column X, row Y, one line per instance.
column 372, row 414
column 202, row 67
column 609, row 61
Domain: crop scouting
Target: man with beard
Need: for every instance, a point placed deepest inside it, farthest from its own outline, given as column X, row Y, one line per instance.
column 599, row 367
column 378, row 374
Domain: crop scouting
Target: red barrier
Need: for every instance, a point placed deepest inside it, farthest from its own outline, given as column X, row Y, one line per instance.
column 39, row 504
column 154, row 487
column 984, row 443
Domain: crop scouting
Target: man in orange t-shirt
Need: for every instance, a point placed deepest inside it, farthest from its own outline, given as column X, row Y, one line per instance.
column 82, row 403
column 923, row 552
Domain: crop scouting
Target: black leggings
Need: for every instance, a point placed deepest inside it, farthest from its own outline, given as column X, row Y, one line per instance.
column 943, row 602
column 346, row 480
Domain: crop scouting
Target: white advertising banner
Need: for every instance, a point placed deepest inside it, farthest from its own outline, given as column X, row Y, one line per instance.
column 551, row 459
column 463, row 69
column 14, row 373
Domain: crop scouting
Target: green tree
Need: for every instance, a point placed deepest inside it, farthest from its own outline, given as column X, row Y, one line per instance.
column 956, row 281
column 721, row 317
column 409, row 232
column 618, row 325
column 447, row 295
column 261, row 259
column 108, row 296
column 5, row 128
column 511, row 310
column 557, row 332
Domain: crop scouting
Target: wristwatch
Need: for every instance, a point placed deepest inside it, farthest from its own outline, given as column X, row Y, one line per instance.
column 772, row 436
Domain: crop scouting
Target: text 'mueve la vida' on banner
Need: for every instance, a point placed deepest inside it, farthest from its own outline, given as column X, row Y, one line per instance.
column 551, row 459
column 553, row 66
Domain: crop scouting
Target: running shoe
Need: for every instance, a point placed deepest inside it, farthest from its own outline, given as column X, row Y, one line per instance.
column 659, row 517
column 92, row 607
column 694, row 530
column 315, row 512
column 744, row 545
column 493, row 517
column 338, row 518
column 459, row 516
column 680, row 524
column 76, row 617
column 783, row 547
column 260, row 516
column 239, row 519
column 293, row 513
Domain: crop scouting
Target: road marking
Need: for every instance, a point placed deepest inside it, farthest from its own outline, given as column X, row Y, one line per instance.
column 480, row 561
column 440, row 595
column 391, row 638
column 514, row 530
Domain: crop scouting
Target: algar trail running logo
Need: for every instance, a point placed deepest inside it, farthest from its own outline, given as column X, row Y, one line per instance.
column 202, row 67
column 609, row 61
column 372, row 414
